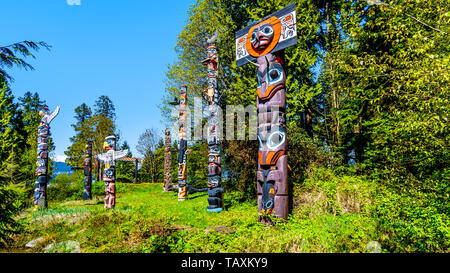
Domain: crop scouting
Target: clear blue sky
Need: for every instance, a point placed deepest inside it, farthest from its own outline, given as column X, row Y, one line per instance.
column 101, row 47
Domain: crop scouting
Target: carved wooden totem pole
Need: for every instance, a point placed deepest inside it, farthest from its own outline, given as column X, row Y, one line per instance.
column 40, row 191
column 265, row 42
column 211, row 95
column 167, row 161
column 87, row 194
column 109, row 174
column 182, row 145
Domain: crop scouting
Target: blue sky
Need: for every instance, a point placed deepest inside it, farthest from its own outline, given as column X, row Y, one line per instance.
column 101, row 47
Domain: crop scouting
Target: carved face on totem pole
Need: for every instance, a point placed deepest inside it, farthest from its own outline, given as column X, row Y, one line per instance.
column 274, row 33
column 262, row 36
column 44, row 111
column 212, row 53
column 109, row 174
column 88, row 158
column 88, row 148
column 110, row 142
column 214, row 169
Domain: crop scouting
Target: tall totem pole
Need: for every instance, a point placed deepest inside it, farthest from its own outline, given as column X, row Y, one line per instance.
column 211, row 95
column 167, row 161
column 40, row 191
column 88, row 172
column 265, row 42
column 182, row 145
column 109, row 174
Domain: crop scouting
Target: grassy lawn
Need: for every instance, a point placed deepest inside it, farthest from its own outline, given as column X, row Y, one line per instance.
column 148, row 220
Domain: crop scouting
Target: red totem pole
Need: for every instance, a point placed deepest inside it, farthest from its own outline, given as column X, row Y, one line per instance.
column 264, row 42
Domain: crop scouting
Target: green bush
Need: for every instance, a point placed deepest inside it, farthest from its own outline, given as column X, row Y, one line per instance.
column 12, row 200
column 234, row 198
column 413, row 222
column 326, row 190
column 65, row 187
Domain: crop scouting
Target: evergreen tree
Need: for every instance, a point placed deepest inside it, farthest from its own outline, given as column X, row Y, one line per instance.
column 148, row 143
column 8, row 136
column 84, row 131
column 89, row 126
column 15, row 138
column 104, row 122
column 29, row 107
column 9, row 56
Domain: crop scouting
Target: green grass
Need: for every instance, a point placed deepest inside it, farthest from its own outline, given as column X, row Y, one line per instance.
column 146, row 219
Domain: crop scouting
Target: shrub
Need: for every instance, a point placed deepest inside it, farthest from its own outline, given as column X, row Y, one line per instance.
column 327, row 191
column 412, row 222
column 12, row 200
column 66, row 187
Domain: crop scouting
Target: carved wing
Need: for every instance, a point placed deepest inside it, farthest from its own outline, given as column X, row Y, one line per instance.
column 213, row 38
column 120, row 154
column 103, row 157
column 53, row 114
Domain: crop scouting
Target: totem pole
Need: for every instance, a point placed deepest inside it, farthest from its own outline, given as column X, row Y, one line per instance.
column 264, row 42
column 211, row 95
column 167, row 161
column 88, row 172
column 182, row 145
column 40, row 191
column 109, row 174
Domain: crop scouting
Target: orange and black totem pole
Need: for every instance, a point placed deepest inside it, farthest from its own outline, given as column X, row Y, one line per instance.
column 263, row 44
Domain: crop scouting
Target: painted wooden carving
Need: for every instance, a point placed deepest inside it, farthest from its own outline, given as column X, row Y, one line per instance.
column 263, row 45
column 87, row 194
column 211, row 95
column 109, row 174
column 40, row 191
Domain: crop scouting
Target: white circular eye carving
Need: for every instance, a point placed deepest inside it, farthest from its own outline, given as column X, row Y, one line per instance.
column 276, row 139
column 275, row 75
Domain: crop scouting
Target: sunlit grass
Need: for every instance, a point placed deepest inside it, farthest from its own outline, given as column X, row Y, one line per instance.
column 146, row 219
